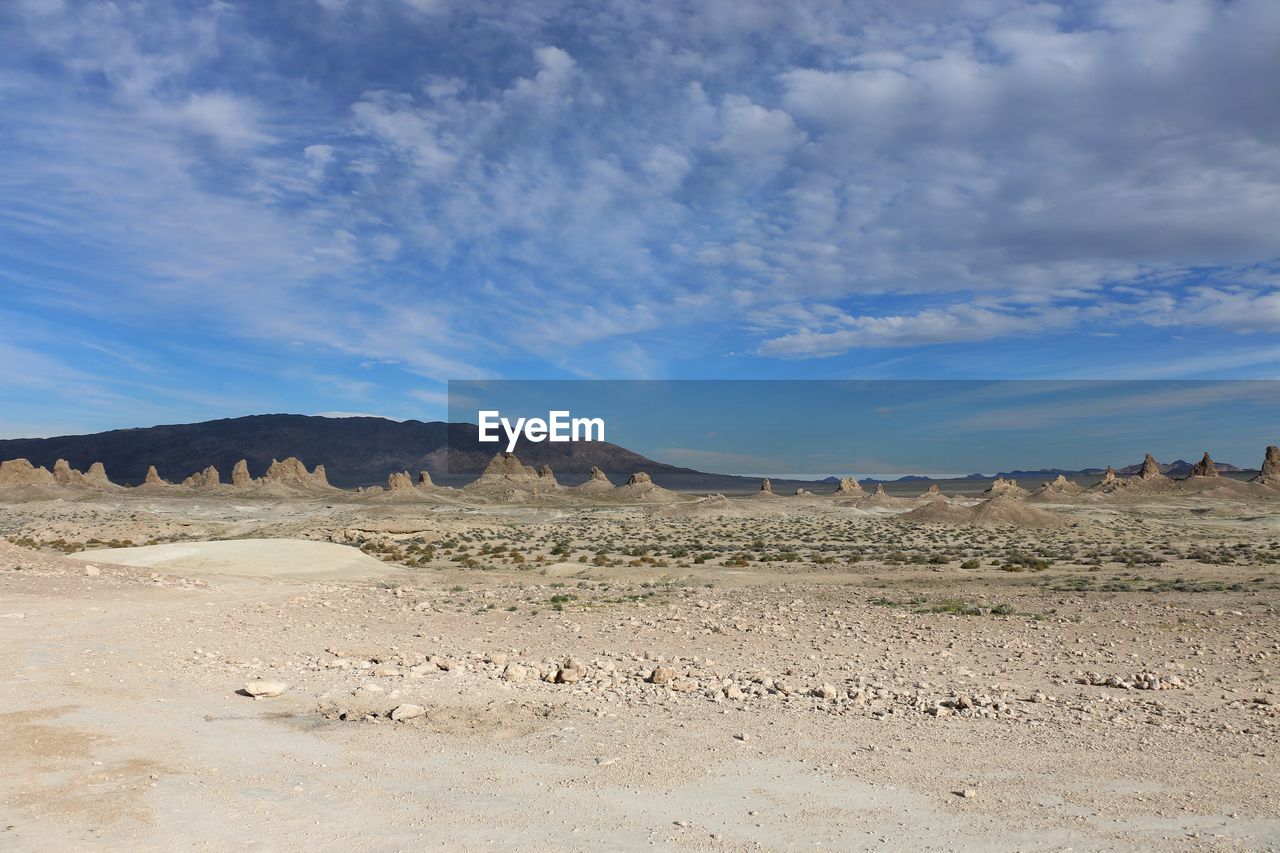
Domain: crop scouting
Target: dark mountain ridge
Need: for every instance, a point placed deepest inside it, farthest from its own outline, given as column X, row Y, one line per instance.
column 356, row 451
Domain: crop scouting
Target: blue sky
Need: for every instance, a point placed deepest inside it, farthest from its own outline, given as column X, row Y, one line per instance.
column 888, row 428
column 222, row 208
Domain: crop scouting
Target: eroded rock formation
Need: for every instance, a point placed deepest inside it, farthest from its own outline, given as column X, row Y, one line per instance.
column 849, row 486
column 1205, row 467
column 20, row 472
column 208, row 477
column 1270, row 473
column 1150, row 469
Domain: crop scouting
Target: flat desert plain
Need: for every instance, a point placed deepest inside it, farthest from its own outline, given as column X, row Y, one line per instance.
column 212, row 668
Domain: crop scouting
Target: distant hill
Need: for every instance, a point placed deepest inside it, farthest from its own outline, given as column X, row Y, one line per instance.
column 1177, row 468
column 357, row 451
column 362, row 451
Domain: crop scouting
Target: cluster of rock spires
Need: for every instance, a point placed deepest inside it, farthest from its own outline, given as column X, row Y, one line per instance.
column 20, row 472
column 289, row 473
column 505, row 473
column 507, row 478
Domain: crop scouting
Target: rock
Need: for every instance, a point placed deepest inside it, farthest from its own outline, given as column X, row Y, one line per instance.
column 208, row 477
column 766, row 487
column 265, row 689
column 880, row 490
column 1204, row 468
column 291, row 472
column 406, row 711
column 1108, row 476
column 505, row 468
column 1270, row 473
column 424, row 480
column 969, row 793
column 597, row 483
column 1150, row 469
column 548, row 475
column 850, row 486
column 515, row 673
column 65, row 475
column 662, row 675
column 20, row 472
column 825, row 691
column 399, row 482
column 240, row 474
column 570, row 672
column 97, row 475
column 640, row 478
column 153, row 477
column 92, row 571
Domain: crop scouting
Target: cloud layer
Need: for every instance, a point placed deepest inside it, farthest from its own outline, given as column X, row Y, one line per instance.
column 523, row 188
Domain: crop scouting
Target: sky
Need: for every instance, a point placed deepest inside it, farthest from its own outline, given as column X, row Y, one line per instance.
column 211, row 209
column 886, row 429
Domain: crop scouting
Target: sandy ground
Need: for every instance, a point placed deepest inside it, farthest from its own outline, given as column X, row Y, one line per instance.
column 827, row 678
column 274, row 558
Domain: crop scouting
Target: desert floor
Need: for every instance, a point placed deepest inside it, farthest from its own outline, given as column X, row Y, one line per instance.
column 754, row 675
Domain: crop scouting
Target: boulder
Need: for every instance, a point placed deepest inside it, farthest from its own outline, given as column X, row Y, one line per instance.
column 264, row 689
column 640, row 478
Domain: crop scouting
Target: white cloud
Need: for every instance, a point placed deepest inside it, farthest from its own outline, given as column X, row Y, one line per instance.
column 228, row 119
column 484, row 183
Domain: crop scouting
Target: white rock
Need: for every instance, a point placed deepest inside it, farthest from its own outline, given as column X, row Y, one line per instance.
column 265, row 689
column 407, row 711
